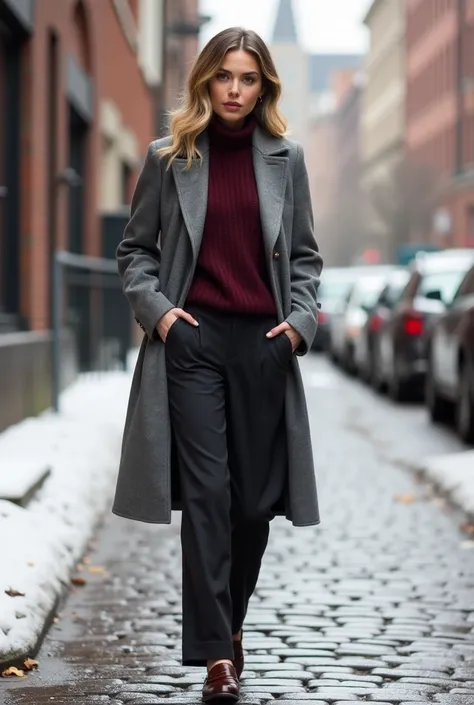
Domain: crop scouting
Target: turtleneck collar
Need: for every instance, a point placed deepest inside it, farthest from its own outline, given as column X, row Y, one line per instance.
column 223, row 137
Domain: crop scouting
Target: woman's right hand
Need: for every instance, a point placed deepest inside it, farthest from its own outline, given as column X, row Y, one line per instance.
column 169, row 319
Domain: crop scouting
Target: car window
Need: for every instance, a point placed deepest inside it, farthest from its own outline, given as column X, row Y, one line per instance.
column 333, row 289
column 447, row 283
column 367, row 294
column 394, row 289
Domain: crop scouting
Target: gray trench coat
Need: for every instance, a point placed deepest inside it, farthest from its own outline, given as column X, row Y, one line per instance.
column 156, row 261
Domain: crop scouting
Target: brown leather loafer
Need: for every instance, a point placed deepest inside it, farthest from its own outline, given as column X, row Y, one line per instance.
column 221, row 684
column 238, row 659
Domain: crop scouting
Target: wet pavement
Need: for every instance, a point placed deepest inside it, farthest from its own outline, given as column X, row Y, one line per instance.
column 374, row 605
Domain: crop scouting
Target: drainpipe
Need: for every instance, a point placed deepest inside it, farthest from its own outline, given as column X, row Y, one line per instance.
column 460, row 88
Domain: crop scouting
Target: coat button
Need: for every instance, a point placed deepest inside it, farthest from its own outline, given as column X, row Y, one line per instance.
column 276, row 255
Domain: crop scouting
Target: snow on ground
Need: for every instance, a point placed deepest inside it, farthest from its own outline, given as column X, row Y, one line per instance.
column 41, row 544
column 453, row 473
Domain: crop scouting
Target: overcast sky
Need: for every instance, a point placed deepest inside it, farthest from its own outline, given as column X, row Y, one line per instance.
column 323, row 25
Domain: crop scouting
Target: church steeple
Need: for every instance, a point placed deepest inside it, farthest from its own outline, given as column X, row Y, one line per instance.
column 285, row 28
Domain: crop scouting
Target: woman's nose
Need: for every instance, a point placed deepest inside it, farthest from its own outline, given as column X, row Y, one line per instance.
column 234, row 89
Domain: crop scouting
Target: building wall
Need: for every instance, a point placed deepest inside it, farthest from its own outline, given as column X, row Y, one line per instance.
column 384, row 95
column 440, row 103
column 292, row 64
column 104, row 45
column 431, row 101
column 181, row 50
column 322, row 170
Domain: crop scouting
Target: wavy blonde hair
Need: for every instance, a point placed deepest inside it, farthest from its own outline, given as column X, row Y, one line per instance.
column 193, row 117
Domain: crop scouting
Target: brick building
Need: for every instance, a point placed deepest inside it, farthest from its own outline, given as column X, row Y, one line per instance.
column 84, row 85
column 440, row 104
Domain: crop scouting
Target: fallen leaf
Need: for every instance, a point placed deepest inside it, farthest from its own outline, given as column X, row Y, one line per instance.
column 468, row 528
column 55, row 620
column 78, row 580
column 97, row 569
column 30, row 663
column 405, row 498
column 14, row 593
column 12, row 671
column 30, row 564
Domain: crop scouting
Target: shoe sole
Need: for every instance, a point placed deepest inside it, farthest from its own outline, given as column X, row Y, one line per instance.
column 227, row 697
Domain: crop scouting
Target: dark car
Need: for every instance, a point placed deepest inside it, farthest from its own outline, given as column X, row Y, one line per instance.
column 367, row 353
column 450, row 377
column 402, row 350
column 335, row 283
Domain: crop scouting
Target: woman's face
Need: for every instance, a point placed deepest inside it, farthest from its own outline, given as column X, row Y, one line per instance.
column 235, row 88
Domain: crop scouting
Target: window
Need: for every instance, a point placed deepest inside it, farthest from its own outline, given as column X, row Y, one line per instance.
column 470, row 225
column 447, row 283
column 126, row 183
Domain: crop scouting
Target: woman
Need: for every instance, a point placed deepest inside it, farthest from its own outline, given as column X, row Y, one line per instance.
column 221, row 269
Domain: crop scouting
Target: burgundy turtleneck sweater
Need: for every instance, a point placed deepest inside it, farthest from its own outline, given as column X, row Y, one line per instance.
column 231, row 273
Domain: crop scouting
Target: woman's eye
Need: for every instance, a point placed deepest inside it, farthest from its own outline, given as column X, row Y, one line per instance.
column 249, row 80
column 222, row 76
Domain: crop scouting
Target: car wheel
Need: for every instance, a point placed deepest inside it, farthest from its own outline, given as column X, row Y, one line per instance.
column 438, row 407
column 397, row 386
column 349, row 361
column 376, row 378
column 465, row 404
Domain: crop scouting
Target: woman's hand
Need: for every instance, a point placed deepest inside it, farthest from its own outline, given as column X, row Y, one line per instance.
column 169, row 319
column 295, row 338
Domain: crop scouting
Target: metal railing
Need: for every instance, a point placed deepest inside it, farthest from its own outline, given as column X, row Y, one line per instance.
column 89, row 289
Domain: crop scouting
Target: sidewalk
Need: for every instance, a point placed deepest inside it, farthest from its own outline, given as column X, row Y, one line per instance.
column 42, row 542
column 375, row 605
column 453, row 474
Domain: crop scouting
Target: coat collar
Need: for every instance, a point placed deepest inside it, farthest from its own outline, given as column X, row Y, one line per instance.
column 261, row 139
column 270, row 162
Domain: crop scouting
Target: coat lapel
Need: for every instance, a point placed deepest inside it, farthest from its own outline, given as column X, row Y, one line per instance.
column 192, row 186
column 271, row 174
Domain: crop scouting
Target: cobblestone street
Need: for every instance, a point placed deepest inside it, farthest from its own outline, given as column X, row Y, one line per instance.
column 376, row 604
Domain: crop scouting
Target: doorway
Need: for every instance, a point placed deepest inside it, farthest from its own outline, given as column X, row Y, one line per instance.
column 9, row 178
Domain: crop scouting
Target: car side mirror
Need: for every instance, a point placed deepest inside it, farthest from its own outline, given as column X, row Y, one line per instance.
column 434, row 295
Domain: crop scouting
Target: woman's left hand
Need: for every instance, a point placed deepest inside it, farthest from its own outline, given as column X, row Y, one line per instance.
column 286, row 329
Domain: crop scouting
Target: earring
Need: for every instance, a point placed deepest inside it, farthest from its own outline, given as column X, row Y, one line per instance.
column 260, row 99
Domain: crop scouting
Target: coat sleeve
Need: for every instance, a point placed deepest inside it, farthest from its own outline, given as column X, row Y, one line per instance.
column 138, row 255
column 305, row 261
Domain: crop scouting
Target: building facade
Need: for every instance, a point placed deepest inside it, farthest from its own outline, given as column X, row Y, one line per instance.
column 440, row 107
column 82, row 94
column 352, row 237
column 383, row 108
column 292, row 64
column 313, row 86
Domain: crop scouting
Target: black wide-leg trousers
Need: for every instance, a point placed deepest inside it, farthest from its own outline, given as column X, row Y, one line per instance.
column 226, row 387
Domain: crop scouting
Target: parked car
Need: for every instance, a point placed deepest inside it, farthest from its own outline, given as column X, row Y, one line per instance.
column 335, row 283
column 364, row 294
column 402, row 351
column 338, row 322
column 367, row 351
column 450, row 376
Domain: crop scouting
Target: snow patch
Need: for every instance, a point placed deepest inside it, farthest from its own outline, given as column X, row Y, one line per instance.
column 454, row 473
column 41, row 544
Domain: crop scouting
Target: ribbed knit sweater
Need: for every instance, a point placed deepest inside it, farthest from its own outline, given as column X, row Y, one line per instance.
column 231, row 272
